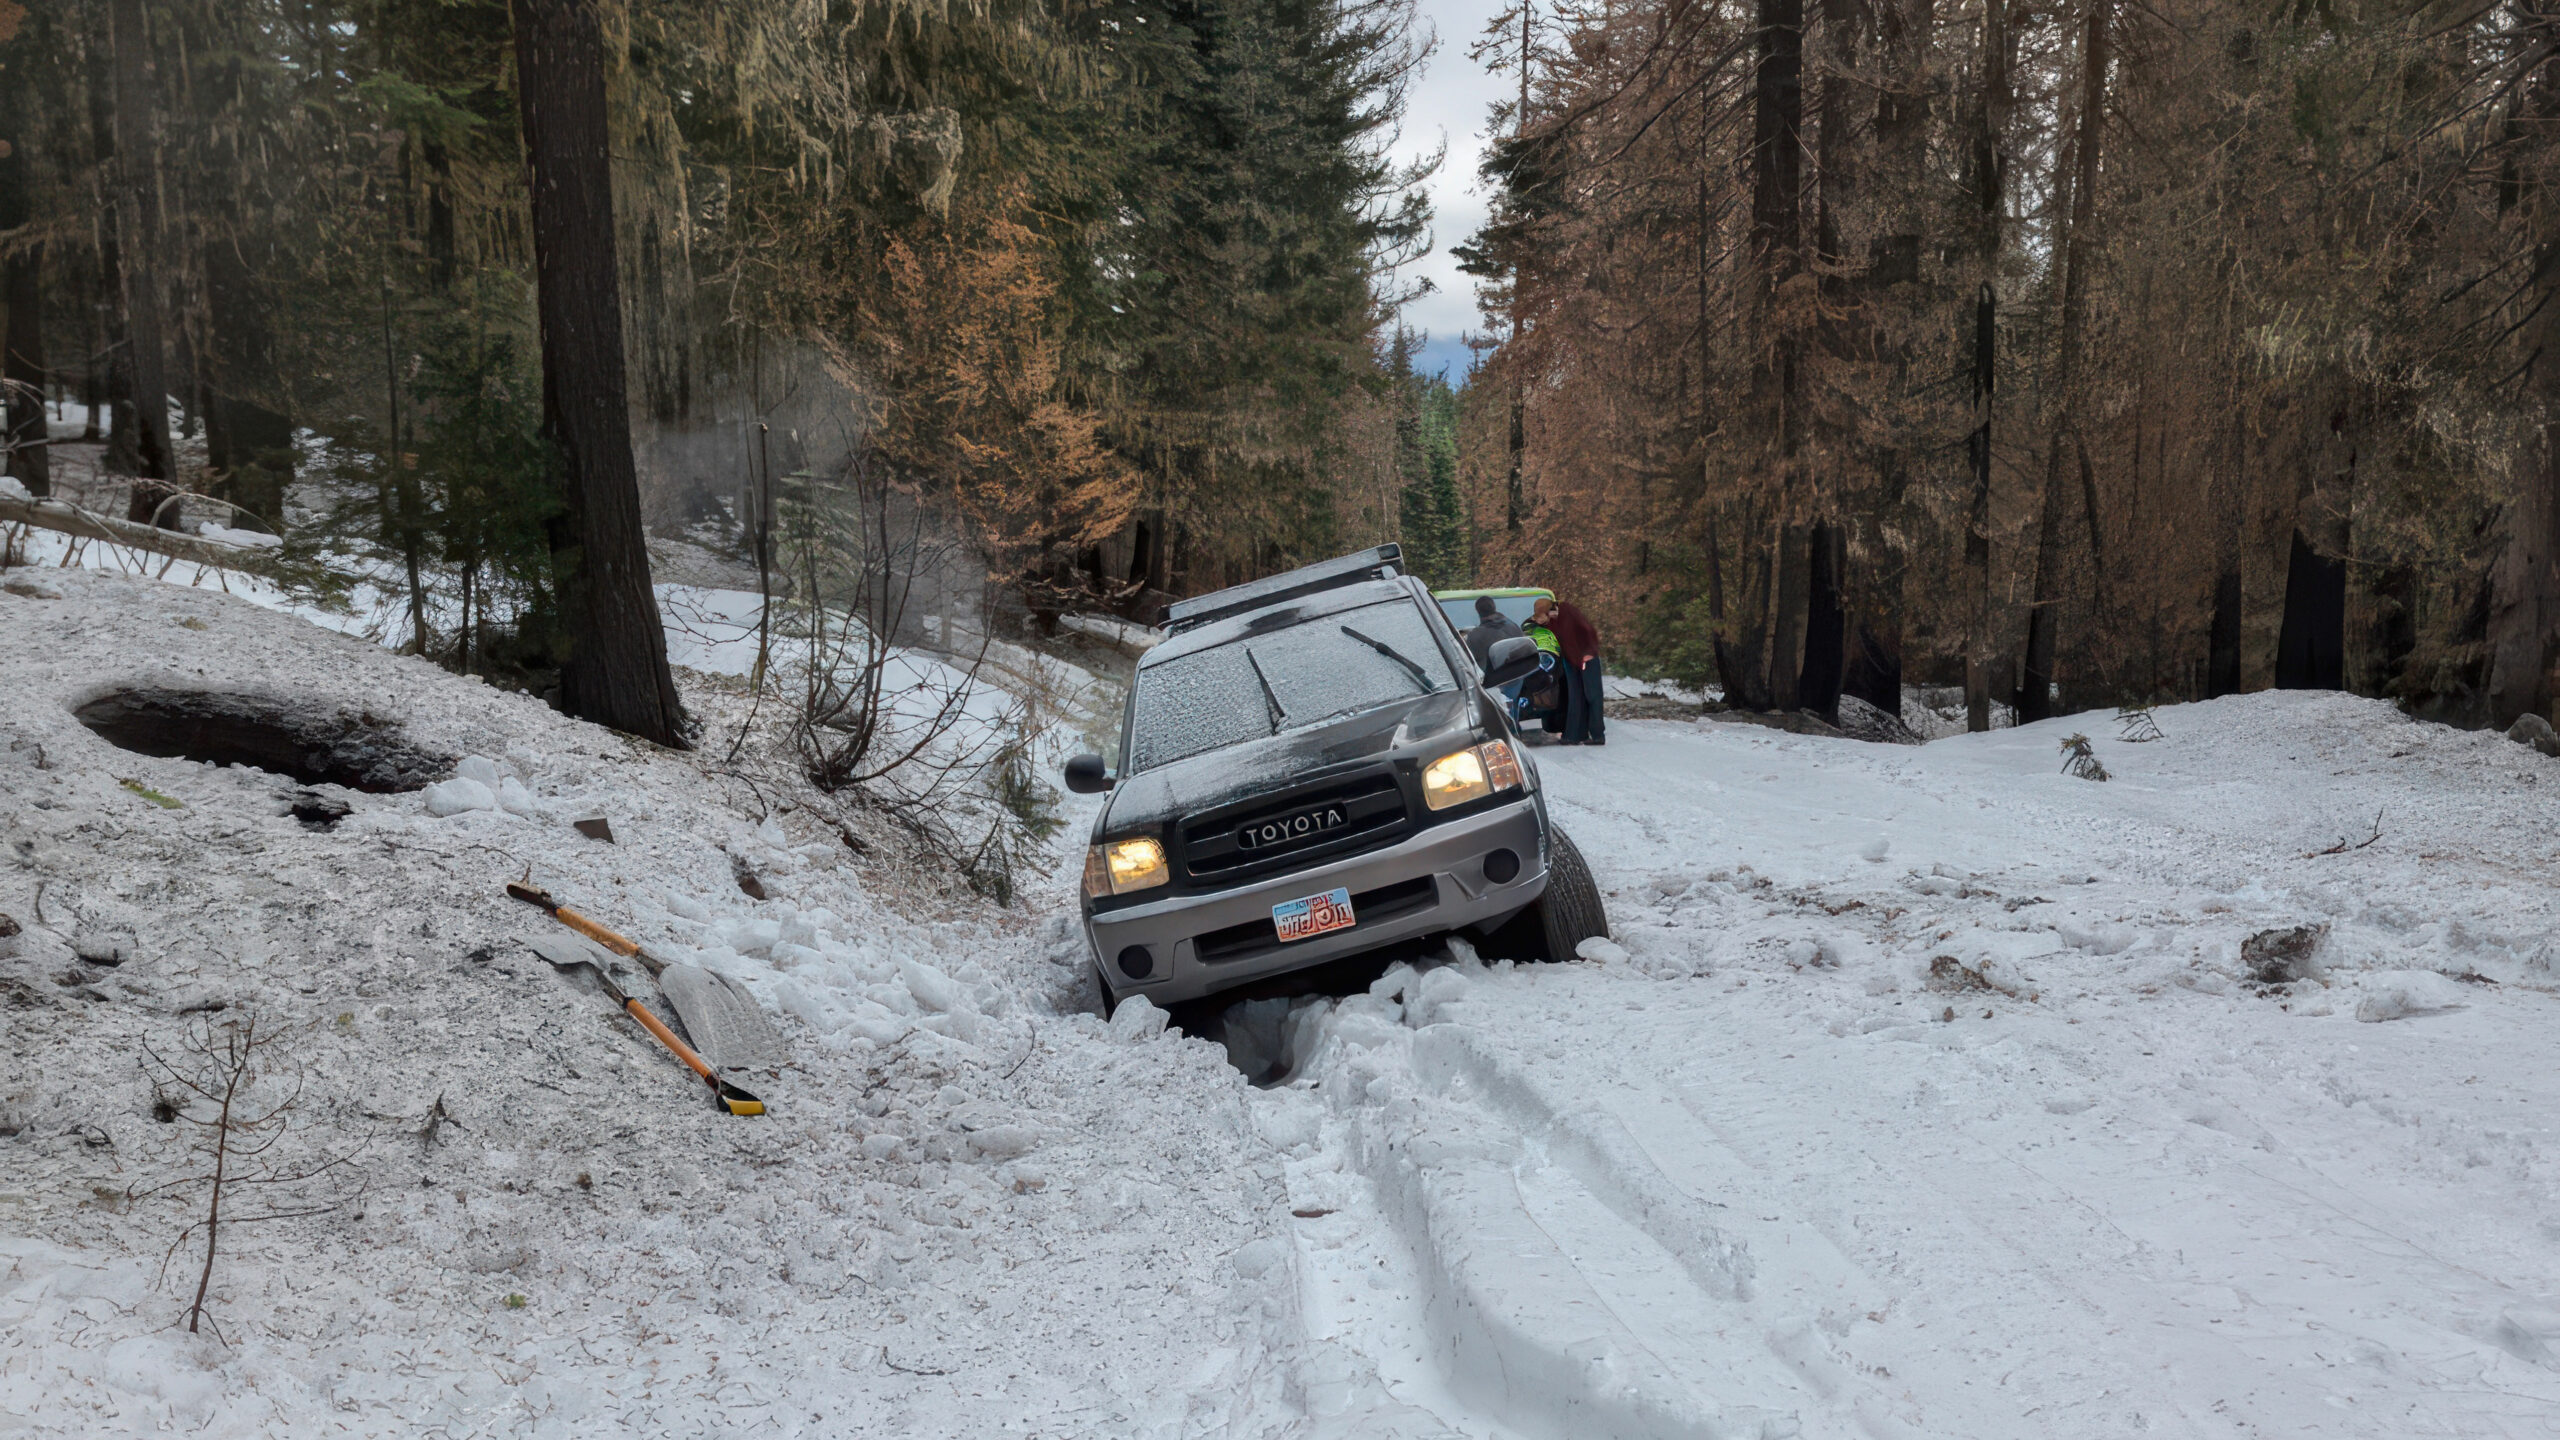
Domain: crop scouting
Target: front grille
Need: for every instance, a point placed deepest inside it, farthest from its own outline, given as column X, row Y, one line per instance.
column 1341, row 818
column 1255, row 937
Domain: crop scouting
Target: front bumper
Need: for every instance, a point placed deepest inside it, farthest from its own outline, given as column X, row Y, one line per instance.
column 1448, row 859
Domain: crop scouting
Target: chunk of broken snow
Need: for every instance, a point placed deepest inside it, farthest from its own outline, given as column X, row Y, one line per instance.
column 1138, row 1018
column 517, row 800
column 12, row 488
column 1875, row 852
column 1602, row 951
column 933, row 989
column 480, row 768
column 1003, row 1142
column 458, row 796
column 2399, row 994
column 2097, row 939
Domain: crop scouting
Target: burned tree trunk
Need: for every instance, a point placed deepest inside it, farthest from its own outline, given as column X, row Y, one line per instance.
column 2036, row 686
column 2311, row 649
column 22, row 368
column 2524, row 587
column 137, row 202
column 1987, row 170
column 249, row 454
column 1825, row 625
column 616, row 670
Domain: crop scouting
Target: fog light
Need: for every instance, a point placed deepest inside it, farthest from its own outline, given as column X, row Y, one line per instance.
column 1138, row 962
column 1501, row 867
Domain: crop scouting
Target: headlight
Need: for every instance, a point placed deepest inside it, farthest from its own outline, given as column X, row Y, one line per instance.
column 1470, row 774
column 1121, row 866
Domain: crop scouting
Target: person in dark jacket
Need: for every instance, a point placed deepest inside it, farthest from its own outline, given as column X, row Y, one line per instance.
column 1492, row 626
column 1583, row 722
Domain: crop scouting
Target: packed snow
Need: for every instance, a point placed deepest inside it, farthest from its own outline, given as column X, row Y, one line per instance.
column 1920, row 1091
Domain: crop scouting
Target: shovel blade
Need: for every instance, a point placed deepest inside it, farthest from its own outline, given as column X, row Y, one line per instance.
column 723, row 1020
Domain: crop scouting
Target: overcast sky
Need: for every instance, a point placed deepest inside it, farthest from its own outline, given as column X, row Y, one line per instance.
column 1449, row 102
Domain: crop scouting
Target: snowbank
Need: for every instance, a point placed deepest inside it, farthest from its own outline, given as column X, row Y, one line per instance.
column 974, row 1207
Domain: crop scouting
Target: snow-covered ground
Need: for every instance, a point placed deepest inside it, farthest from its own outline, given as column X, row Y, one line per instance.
column 1924, row 1092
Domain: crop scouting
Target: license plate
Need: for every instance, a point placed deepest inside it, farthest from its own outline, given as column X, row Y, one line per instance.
column 1300, row 919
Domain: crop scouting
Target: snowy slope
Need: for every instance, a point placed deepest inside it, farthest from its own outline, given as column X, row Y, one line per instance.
column 973, row 1209
column 1925, row 1092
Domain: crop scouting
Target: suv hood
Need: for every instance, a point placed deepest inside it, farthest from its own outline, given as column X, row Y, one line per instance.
column 1237, row 772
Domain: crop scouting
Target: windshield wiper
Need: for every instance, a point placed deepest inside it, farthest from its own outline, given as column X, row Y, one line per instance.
column 1279, row 713
column 1392, row 653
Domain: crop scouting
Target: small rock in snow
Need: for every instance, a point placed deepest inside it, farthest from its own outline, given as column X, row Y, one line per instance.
column 2531, row 729
column 2280, row 957
column 1138, row 1018
column 317, row 810
column 596, row 827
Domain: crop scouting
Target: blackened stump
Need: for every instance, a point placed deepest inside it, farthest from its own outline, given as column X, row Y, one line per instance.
column 355, row 751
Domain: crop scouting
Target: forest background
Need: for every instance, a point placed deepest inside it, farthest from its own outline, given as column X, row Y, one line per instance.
column 2082, row 352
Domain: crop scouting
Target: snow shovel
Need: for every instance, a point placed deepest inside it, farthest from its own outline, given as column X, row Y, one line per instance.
column 563, row 956
column 716, row 1011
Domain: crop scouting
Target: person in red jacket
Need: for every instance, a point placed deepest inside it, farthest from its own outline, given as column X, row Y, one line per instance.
column 1583, row 723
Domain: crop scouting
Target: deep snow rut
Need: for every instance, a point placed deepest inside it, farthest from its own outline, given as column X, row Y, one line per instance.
column 1548, row 1277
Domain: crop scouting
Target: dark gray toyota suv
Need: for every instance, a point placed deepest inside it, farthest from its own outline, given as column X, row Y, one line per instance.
column 1311, row 766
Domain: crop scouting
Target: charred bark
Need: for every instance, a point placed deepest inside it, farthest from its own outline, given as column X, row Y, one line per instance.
column 1826, row 624
column 249, row 457
column 137, row 202
column 615, row 673
column 2311, row 648
column 1986, row 169
column 22, row 366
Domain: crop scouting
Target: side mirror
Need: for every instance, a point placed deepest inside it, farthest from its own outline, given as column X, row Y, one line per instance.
column 1510, row 660
column 1086, row 775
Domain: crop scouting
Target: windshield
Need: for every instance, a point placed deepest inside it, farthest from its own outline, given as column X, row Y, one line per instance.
column 1320, row 669
column 1462, row 613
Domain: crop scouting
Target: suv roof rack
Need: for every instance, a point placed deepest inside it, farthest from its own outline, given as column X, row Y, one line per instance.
column 1378, row 563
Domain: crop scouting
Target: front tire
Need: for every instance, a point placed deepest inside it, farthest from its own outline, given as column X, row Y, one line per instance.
column 1570, row 911
column 1564, row 915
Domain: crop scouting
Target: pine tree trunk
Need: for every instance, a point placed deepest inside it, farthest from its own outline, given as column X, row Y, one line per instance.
column 2524, row 586
column 1787, row 625
column 1777, row 239
column 2036, row 686
column 138, row 231
column 249, row 457
column 111, row 363
column 616, row 670
column 1987, row 169
column 22, row 289
column 1826, row 624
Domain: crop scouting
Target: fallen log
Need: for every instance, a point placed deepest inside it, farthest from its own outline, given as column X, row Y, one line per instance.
column 90, row 525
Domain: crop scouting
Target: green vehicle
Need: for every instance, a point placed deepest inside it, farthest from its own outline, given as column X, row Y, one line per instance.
column 1514, row 601
column 1539, row 698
